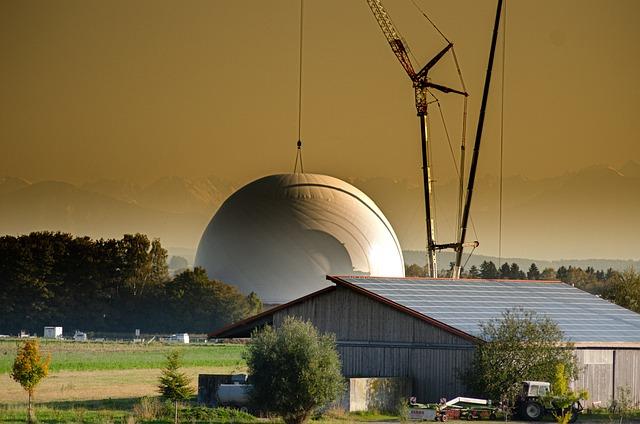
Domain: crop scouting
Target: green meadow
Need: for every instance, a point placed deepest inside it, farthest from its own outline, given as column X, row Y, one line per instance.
column 88, row 356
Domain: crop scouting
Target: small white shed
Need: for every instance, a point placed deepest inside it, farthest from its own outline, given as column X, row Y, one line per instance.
column 179, row 338
column 52, row 332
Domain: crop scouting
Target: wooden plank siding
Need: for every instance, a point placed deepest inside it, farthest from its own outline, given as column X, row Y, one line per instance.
column 376, row 340
column 627, row 372
column 596, row 375
column 604, row 371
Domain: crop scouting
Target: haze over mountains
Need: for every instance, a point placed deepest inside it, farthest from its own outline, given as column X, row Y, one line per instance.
column 588, row 214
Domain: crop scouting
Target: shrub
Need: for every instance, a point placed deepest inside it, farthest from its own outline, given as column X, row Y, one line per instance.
column 518, row 346
column 150, row 408
column 219, row 415
column 294, row 370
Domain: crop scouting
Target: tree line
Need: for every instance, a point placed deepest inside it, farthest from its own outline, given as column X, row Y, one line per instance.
column 620, row 287
column 108, row 285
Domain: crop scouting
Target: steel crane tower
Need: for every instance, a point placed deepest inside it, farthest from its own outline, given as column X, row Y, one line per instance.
column 421, row 84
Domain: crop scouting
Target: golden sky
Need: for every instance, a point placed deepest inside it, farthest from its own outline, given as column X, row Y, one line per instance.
column 146, row 88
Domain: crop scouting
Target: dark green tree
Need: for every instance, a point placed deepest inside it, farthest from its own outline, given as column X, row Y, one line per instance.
column 173, row 384
column 488, row 270
column 414, row 270
column 562, row 273
column 548, row 274
column 505, row 271
column 518, row 346
column 623, row 288
column 199, row 304
column 474, row 272
column 294, row 370
column 516, row 273
column 107, row 285
column 534, row 272
column 254, row 304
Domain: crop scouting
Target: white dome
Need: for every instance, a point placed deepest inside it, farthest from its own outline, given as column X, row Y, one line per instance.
column 279, row 236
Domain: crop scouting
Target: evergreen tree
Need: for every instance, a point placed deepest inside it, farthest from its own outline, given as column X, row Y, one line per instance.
column 474, row 272
column 515, row 272
column 488, row 270
column 562, row 273
column 533, row 273
column 174, row 385
column 505, row 271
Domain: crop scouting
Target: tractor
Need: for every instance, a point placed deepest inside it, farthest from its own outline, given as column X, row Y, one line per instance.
column 531, row 403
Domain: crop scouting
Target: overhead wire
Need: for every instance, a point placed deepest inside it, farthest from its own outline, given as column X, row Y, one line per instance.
column 504, row 54
column 299, row 142
column 430, row 21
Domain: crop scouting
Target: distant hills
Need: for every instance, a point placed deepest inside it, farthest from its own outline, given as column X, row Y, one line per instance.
column 592, row 213
column 174, row 209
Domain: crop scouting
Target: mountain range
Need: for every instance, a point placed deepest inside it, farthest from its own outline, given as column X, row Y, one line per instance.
column 592, row 213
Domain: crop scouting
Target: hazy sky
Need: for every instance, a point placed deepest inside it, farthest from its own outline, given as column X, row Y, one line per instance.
column 146, row 88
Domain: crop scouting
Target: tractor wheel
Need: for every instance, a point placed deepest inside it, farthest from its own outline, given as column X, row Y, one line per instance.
column 444, row 417
column 532, row 411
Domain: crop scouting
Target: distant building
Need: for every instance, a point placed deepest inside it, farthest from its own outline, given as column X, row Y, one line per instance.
column 427, row 329
column 52, row 332
column 178, row 338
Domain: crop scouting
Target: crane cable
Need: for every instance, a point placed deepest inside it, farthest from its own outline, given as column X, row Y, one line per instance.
column 299, row 142
column 504, row 54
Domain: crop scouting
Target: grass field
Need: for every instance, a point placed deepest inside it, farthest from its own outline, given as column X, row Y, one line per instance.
column 104, row 382
column 87, row 356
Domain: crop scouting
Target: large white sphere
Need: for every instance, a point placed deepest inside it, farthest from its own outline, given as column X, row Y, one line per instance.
column 279, row 236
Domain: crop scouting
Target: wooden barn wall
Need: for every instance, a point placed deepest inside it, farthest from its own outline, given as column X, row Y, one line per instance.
column 376, row 340
column 596, row 375
column 627, row 373
column 604, row 371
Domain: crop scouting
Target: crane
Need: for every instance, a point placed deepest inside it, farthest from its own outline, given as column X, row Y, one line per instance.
column 421, row 85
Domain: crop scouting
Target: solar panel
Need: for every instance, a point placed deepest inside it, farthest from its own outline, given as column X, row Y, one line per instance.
column 466, row 304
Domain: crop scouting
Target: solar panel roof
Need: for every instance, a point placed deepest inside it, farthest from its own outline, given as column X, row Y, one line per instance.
column 465, row 304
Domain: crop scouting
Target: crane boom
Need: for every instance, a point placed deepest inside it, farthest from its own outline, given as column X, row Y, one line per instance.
column 421, row 86
column 393, row 36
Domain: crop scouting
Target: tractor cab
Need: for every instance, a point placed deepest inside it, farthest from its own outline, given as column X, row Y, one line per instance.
column 535, row 389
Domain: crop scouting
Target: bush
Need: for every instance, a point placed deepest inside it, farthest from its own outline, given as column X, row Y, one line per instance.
column 219, row 415
column 516, row 347
column 294, row 370
column 151, row 408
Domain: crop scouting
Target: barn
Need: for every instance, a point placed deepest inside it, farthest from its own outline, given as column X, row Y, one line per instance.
column 427, row 329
